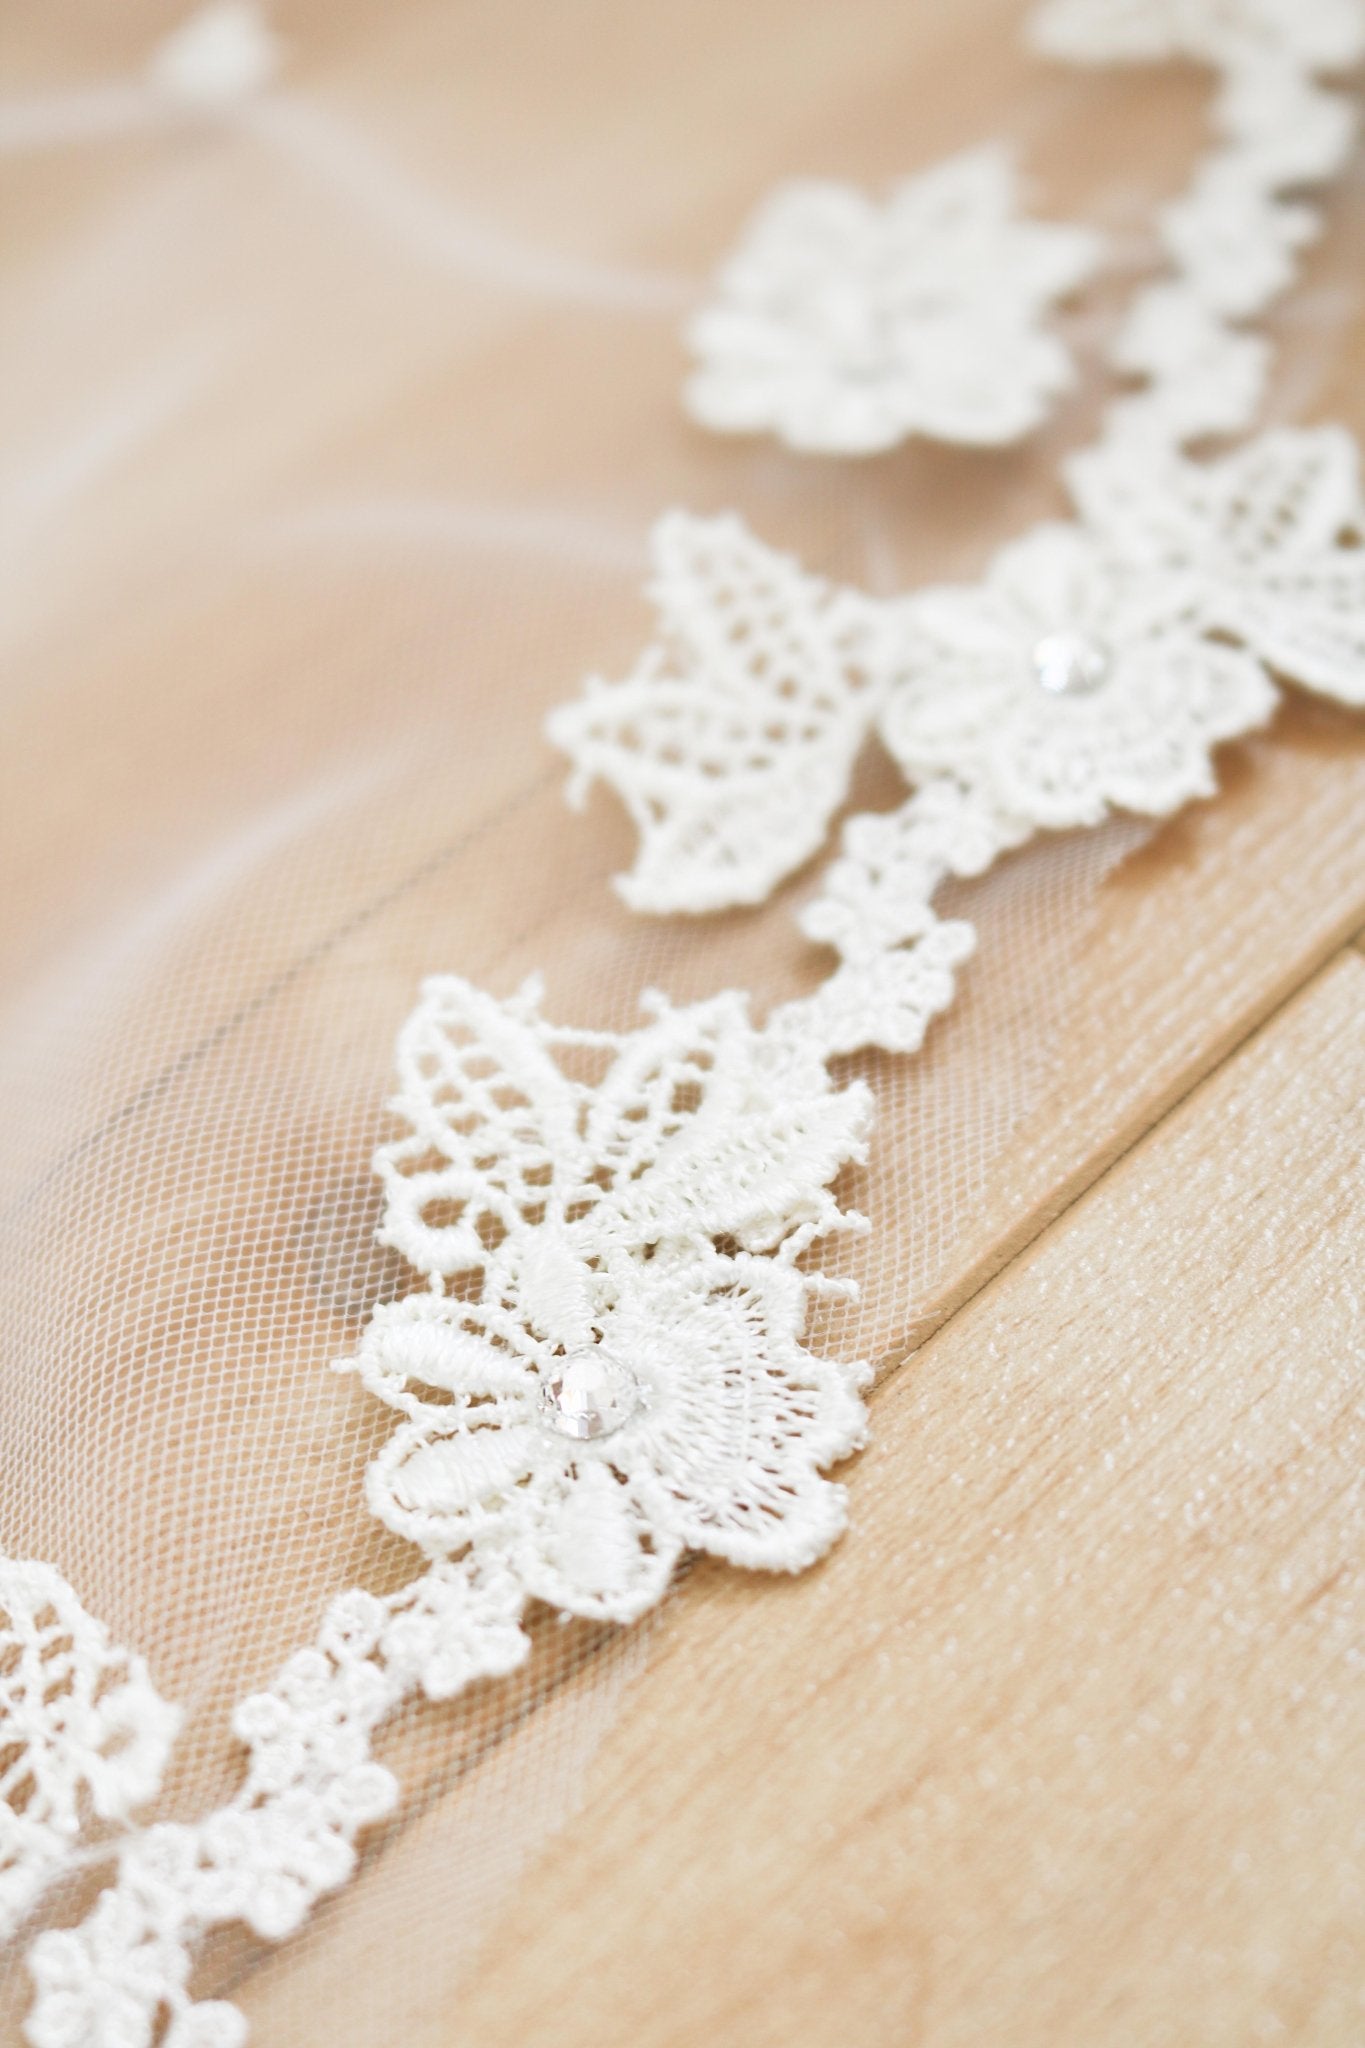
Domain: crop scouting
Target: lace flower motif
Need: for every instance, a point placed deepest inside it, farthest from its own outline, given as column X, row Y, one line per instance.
column 842, row 325
column 613, row 1372
column 288, row 1835
column 82, row 1731
column 731, row 741
column 1315, row 35
column 1066, row 685
column 1272, row 539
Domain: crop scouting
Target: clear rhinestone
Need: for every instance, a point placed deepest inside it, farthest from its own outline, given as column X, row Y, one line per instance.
column 590, row 1395
column 1069, row 664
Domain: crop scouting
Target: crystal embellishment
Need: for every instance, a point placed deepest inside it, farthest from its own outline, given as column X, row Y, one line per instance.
column 590, row 1396
column 1069, row 664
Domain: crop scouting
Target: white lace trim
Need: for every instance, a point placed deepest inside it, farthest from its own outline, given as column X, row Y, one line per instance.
column 84, row 1734
column 1233, row 238
column 288, row 1837
column 843, row 326
column 1186, row 593
column 1097, row 666
column 612, row 1262
column 1136, row 733
column 732, row 740
column 646, row 1231
column 1269, row 542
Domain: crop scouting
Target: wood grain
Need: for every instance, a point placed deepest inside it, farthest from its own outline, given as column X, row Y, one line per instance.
column 1066, row 1743
column 1063, row 1747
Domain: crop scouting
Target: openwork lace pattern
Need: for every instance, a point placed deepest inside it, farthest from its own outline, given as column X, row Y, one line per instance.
column 1271, row 541
column 732, row 740
column 609, row 1370
column 1099, row 663
column 604, row 1365
column 288, row 1837
column 604, row 1369
column 84, row 1734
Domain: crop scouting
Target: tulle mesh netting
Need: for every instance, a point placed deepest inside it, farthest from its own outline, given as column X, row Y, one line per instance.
column 335, row 431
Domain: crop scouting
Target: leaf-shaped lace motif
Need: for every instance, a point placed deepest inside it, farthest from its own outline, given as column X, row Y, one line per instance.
column 84, row 1735
column 1270, row 536
column 691, row 1133
column 732, row 741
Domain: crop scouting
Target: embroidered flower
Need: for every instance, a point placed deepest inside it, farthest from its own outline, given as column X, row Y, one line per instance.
column 1064, row 686
column 732, row 741
column 704, row 1426
column 618, row 1374
column 1270, row 538
column 1326, row 35
column 842, row 325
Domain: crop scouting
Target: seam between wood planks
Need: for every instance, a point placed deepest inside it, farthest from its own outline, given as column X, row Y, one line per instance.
column 1047, row 1218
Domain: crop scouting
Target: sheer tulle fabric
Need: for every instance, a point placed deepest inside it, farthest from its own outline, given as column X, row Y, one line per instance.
column 340, row 425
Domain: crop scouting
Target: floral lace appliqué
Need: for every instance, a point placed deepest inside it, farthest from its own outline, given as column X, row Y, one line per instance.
column 617, row 1376
column 606, row 1370
column 1269, row 538
column 84, row 1735
column 732, row 740
column 843, row 325
column 1067, row 685
column 607, row 1364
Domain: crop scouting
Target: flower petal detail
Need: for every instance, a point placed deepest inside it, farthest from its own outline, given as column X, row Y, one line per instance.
column 449, row 1490
column 1145, row 693
column 842, row 325
column 681, row 1187
column 590, row 1547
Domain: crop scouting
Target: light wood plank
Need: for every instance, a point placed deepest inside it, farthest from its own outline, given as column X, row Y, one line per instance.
column 174, row 689
column 1193, row 943
column 1064, row 1745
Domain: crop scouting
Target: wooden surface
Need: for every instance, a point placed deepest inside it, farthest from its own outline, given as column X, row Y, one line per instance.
column 1065, row 1745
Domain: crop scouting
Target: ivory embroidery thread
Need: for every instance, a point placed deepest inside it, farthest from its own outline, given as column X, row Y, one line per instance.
column 1099, row 664
column 648, row 1226
column 605, row 1364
